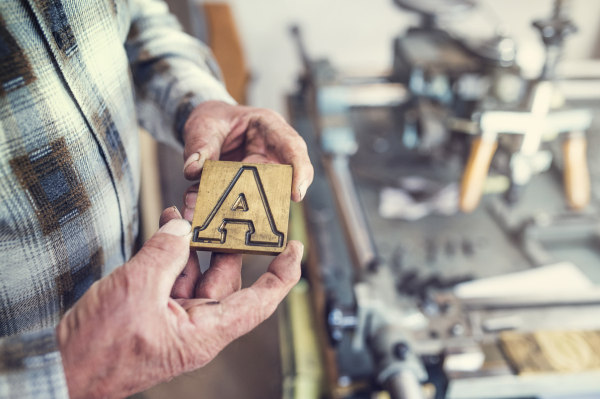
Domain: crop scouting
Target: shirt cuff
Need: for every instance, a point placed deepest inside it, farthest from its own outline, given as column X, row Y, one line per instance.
column 190, row 101
column 166, row 119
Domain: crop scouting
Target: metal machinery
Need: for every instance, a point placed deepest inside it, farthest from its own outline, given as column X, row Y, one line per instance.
column 451, row 111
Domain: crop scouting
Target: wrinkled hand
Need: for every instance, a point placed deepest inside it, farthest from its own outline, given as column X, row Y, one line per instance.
column 127, row 333
column 216, row 130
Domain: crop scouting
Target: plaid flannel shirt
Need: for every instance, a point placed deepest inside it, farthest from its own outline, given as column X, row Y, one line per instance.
column 75, row 79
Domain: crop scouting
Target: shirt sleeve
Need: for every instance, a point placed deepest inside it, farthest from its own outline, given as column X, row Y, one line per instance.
column 172, row 71
column 31, row 367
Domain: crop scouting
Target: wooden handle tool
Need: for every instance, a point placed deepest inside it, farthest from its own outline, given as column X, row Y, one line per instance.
column 576, row 173
column 476, row 171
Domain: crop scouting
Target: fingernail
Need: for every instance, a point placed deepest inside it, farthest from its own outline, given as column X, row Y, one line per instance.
column 199, row 157
column 193, row 158
column 177, row 227
column 301, row 245
column 190, row 199
column 202, row 159
column 302, row 188
column 188, row 214
column 176, row 211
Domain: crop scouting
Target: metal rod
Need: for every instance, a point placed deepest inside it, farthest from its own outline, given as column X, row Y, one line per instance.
column 590, row 297
column 350, row 210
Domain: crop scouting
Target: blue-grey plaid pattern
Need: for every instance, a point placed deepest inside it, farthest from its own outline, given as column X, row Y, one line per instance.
column 30, row 367
column 76, row 77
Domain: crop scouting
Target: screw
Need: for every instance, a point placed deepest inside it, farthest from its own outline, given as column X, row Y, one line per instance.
column 337, row 335
column 335, row 317
column 457, row 330
column 401, row 349
column 344, row 381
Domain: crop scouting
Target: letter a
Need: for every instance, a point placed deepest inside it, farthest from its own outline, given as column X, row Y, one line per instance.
column 240, row 204
column 243, row 209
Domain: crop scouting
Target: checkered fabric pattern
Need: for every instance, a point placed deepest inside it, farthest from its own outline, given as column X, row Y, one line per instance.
column 75, row 79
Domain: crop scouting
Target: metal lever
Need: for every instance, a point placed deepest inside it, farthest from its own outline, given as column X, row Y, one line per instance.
column 476, row 171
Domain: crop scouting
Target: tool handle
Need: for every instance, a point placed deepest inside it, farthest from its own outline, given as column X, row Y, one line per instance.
column 576, row 173
column 475, row 173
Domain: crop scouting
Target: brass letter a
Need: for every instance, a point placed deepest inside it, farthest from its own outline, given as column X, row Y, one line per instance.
column 249, row 213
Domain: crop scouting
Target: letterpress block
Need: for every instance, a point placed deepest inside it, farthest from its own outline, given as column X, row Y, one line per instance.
column 242, row 208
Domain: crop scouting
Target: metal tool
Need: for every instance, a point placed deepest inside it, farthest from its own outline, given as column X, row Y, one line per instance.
column 524, row 165
column 553, row 32
column 332, row 102
column 530, row 160
column 388, row 324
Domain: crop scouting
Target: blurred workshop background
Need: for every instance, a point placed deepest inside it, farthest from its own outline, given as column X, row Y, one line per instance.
column 261, row 63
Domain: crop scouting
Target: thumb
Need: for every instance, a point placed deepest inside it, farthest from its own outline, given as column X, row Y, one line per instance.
column 163, row 257
column 203, row 140
column 205, row 132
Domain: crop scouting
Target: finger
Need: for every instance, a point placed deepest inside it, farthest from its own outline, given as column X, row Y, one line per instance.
column 222, row 278
column 186, row 282
column 162, row 258
column 217, row 130
column 293, row 152
column 204, row 133
column 241, row 311
column 169, row 214
column 189, row 199
column 271, row 136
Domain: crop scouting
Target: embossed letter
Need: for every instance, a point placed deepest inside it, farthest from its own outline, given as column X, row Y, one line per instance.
column 244, row 202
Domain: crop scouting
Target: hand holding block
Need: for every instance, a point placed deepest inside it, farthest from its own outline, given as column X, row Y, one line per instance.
column 242, row 208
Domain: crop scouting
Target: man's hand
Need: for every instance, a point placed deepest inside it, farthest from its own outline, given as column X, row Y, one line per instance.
column 127, row 333
column 216, row 130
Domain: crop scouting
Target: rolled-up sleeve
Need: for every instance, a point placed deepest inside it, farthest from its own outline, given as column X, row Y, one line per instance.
column 31, row 367
column 172, row 71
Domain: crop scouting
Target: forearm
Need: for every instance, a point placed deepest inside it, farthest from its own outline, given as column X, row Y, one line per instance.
column 172, row 71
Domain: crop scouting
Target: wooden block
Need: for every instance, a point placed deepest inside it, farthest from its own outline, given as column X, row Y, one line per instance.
column 552, row 351
column 242, row 208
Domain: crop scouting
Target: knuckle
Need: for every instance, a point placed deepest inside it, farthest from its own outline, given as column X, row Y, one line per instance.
column 272, row 281
column 297, row 146
column 164, row 245
column 124, row 285
column 210, row 292
column 163, row 250
column 291, row 150
column 200, row 119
